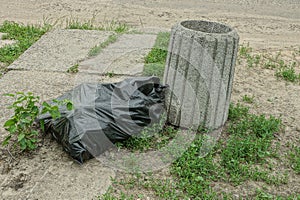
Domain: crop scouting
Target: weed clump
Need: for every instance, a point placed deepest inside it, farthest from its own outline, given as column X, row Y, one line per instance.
column 24, row 35
column 156, row 58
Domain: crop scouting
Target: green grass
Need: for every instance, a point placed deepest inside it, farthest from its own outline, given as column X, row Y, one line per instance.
column 150, row 138
column 98, row 48
column 24, row 35
column 287, row 72
column 239, row 157
column 110, row 74
column 115, row 26
column 262, row 195
column 156, row 59
column 245, row 52
column 73, row 69
column 284, row 69
column 294, row 157
column 248, row 99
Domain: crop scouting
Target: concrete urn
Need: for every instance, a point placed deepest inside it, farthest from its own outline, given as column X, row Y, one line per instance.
column 199, row 71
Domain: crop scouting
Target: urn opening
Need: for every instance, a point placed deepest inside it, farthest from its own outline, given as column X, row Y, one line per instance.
column 206, row 27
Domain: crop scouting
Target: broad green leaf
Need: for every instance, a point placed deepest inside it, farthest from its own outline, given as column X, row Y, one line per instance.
column 21, row 137
column 44, row 110
column 30, row 144
column 69, row 105
column 55, row 108
column 54, row 114
column 12, row 129
column 6, row 140
column 45, row 104
column 22, row 144
column 33, row 140
column 9, row 122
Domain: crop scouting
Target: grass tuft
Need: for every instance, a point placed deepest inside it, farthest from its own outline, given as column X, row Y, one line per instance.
column 294, row 158
column 156, row 58
column 287, row 72
column 248, row 99
column 24, row 35
column 73, row 69
column 115, row 26
column 98, row 48
column 150, row 138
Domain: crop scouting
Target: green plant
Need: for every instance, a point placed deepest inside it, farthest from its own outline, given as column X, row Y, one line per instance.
column 110, row 74
column 237, row 112
column 271, row 62
column 262, row 195
column 76, row 24
column 159, row 51
column 194, row 173
column 249, row 143
column 21, row 126
column 150, row 138
column 240, row 156
column 294, row 157
column 285, row 69
column 245, row 51
column 73, row 69
column 156, row 58
column 98, row 48
column 287, row 72
column 154, row 69
column 115, row 26
column 24, row 35
column 248, row 99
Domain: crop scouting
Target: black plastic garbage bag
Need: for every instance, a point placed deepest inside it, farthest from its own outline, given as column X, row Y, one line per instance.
column 104, row 114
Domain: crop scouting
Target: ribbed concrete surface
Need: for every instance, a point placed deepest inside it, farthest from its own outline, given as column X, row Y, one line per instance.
column 200, row 69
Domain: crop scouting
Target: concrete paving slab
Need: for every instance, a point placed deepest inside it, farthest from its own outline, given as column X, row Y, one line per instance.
column 59, row 50
column 125, row 56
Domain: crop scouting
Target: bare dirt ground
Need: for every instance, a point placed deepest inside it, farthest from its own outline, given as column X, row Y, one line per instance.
column 267, row 25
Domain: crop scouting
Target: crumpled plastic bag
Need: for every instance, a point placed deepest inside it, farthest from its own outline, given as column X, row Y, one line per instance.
column 105, row 113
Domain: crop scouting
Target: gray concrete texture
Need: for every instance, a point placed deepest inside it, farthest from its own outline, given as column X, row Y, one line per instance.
column 199, row 71
column 126, row 56
column 59, row 50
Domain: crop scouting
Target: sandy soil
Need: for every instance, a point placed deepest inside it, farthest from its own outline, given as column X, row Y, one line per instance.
column 266, row 25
